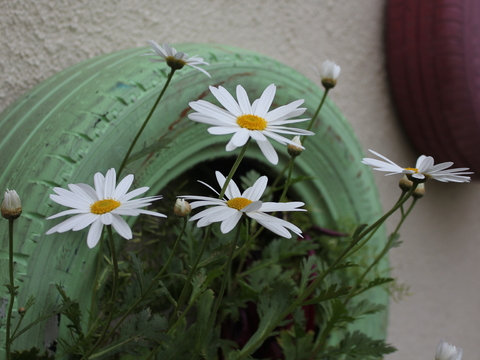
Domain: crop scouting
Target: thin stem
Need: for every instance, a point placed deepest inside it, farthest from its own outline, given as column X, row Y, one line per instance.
column 314, row 117
column 288, row 182
column 8, row 341
column 153, row 282
column 360, row 245
column 234, row 169
column 93, row 301
column 132, row 145
column 183, row 294
column 113, row 296
column 206, row 240
column 310, row 125
column 384, row 251
column 311, row 288
column 226, row 276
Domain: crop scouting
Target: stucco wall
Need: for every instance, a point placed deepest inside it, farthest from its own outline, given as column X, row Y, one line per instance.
column 438, row 259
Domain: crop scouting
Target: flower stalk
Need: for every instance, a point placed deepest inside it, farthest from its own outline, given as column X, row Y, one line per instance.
column 149, row 116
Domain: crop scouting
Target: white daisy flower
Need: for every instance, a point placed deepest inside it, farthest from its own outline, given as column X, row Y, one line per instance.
column 100, row 206
column 246, row 121
column 175, row 59
column 229, row 210
column 445, row 351
column 329, row 73
column 423, row 170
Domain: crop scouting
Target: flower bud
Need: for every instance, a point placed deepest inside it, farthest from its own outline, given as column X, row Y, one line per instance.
column 22, row 311
column 405, row 184
column 419, row 191
column 329, row 74
column 182, row 208
column 176, row 62
column 445, row 351
column 293, row 150
column 11, row 206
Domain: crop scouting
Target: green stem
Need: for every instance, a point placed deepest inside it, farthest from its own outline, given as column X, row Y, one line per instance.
column 288, row 182
column 226, row 276
column 206, row 240
column 310, row 125
column 96, row 285
column 383, row 252
column 314, row 117
column 8, row 341
column 132, row 145
column 113, row 296
column 183, row 294
column 234, row 169
column 311, row 288
column 153, row 282
column 360, row 245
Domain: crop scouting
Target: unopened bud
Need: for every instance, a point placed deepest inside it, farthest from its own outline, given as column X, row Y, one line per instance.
column 22, row 311
column 329, row 74
column 405, row 184
column 293, row 150
column 182, row 208
column 11, row 206
column 419, row 191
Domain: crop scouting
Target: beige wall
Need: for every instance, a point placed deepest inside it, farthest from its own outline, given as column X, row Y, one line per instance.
column 438, row 259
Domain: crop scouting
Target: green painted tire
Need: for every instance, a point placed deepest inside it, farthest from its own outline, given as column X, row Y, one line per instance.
column 82, row 120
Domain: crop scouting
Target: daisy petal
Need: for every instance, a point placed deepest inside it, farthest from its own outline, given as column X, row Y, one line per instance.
column 94, row 233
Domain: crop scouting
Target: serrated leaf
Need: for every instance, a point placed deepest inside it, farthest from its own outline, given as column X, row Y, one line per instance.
column 333, row 292
column 357, row 346
column 163, row 290
column 269, row 307
column 365, row 307
column 204, row 309
column 308, row 268
column 141, row 330
column 358, row 230
column 139, row 272
column 296, row 348
column 374, row 283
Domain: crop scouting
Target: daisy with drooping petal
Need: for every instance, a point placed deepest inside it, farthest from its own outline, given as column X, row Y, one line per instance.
column 423, row 170
column 246, row 121
column 103, row 205
column 175, row 59
column 229, row 210
column 445, row 351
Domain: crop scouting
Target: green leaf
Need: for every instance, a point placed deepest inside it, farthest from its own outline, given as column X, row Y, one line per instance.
column 163, row 290
column 365, row 307
column 327, row 294
column 204, row 309
column 296, row 348
column 32, row 354
column 357, row 346
column 139, row 272
column 269, row 307
column 141, row 330
column 374, row 283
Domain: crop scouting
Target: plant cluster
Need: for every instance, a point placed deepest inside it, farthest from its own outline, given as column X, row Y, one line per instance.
column 249, row 276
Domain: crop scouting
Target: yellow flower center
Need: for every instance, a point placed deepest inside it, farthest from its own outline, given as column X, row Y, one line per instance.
column 252, row 122
column 104, row 206
column 175, row 64
column 415, row 170
column 238, row 203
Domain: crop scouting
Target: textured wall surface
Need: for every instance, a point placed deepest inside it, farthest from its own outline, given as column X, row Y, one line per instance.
column 439, row 257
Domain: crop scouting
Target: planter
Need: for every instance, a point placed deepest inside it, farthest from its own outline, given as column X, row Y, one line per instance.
column 82, row 120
